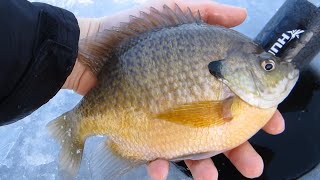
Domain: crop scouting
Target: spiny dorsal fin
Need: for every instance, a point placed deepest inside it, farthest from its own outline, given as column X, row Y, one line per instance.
column 97, row 50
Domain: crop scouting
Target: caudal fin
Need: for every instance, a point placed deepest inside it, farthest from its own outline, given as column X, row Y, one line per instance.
column 65, row 130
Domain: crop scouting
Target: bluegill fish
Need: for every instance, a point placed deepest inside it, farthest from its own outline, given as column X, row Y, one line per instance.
column 170, row 86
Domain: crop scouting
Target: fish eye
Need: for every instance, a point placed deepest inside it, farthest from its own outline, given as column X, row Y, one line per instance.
column 268, row 65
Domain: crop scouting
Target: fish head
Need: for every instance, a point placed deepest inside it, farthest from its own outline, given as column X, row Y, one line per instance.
column 261, row 79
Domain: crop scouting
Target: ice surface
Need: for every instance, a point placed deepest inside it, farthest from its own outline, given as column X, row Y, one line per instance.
column 27, row 151
column 312, row 175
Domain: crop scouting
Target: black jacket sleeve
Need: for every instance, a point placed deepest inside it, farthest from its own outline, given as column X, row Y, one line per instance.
column 38, row 49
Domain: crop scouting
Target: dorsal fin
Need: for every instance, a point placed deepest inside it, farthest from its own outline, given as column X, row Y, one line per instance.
column 97, row 50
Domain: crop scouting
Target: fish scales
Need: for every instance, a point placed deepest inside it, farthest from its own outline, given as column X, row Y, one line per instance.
column 146, row 80
column 179, row 90
column 164, row 68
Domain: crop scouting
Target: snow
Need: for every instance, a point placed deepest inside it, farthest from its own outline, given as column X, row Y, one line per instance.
column 66, row 3
column 26, row 149
column 128, row 1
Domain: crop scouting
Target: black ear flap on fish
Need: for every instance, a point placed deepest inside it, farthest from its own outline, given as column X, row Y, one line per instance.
column 96, row 51
column 215, row 68
column 200, row 114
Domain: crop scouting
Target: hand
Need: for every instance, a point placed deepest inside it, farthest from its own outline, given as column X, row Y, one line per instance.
column 244, row 157
column 81, row 79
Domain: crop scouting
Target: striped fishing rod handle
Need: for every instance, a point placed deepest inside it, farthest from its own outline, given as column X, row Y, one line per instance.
column 293, row 32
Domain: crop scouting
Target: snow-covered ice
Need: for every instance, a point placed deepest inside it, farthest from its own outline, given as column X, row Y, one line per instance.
column 26, row 149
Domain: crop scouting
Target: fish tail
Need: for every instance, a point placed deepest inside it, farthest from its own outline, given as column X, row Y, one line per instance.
column 65, row 130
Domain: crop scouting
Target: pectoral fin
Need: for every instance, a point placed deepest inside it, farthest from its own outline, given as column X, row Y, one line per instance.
column 200, row 114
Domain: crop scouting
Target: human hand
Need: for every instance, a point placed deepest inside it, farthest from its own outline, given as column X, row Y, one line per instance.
column 244, row 157
column 81, row 79
column 248, row 162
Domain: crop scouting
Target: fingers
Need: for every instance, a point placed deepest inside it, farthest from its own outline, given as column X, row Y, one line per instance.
column 248, row 162
column 215, row 13
column 276, row 125
column 244, row 157
column 87, row 81
column 81, row 79
column 202, row 169
column 88, row 26
column 225, row 15
column 158, row 169
column 212, row 13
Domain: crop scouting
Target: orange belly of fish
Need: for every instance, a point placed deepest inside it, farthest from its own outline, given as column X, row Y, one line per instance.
column 138, row 137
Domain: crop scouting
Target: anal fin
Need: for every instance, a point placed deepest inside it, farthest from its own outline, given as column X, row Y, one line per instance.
column 198, row 156
column 106, row 163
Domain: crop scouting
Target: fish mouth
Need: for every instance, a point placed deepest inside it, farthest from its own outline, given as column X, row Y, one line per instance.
column 261, row 99
column 283, row 88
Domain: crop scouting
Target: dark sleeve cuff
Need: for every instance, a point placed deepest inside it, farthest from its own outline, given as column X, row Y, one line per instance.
column 54, row 53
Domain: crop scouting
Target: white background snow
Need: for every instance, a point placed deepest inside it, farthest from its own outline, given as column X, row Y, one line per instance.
column 27, row 151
